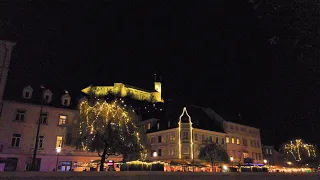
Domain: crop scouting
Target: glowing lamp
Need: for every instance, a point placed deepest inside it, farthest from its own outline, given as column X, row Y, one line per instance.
column 265, row 161
column 231, row 159
column 225, row 167
column 58, row 149
column 155, row 154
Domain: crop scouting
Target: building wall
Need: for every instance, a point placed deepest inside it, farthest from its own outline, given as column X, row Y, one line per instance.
column 144, row 126
column 49, row 131
column 244, row 142
column 189, row 148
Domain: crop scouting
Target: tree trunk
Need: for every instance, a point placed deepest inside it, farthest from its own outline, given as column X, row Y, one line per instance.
column 213, row 168
column 103, row 157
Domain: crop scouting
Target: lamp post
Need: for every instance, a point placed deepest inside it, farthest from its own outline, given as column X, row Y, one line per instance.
column 34, row 156
column 265, row 161
column 58, row 152
column 231, row 159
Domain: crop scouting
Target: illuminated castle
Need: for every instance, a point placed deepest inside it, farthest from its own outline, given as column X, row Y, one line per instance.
column 124, row 90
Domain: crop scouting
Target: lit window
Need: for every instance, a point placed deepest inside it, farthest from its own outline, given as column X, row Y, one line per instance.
column 232, row 140
column 20, row 115
column 149, row 126
column 15, row 141
column 185, row 135
column 171, row 151
column 227, row 140
column 40, row 142
column 238, row 141
column 270, row 151
column 59, row 142
column 267, row 151
column 44, row 118
column 63, row 120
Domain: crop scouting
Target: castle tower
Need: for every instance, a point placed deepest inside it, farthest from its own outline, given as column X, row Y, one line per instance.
column 5, row 57
column 157, row 84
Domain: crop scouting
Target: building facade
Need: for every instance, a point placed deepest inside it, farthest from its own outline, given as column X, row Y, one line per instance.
column 243, row 143
column 19, row 121
column 180, row 138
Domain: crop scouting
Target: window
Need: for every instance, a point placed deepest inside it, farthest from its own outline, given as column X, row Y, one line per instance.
column 171, row 151
column 159, row 139
column 210, row 138
column 20, row 115
column 267, row 152
column 222, row 140
column 66, row 102
column 62, row 120
column 59, row 142
column 251, row 143
column 159, row 152
column 252, row 155
column 149, row 126
column 44, row 118
column 231, row 127
column 172, row 137
column 153, row 140
column 15, row 141
column 158, row 126
column 185, row 135
column 254, row 143
column 47, row 96
column 196, row 137
column 232, row 140
column 257, row 156
column 1, row 148
column 239, row 155
column 27, row 92
column 238, row 141
column 40, row 143
column 270, row 151
column 217, row 140
column 236, row 128
column 185, row 150
column 244, row 142
column 227, row 140
column 258, row 144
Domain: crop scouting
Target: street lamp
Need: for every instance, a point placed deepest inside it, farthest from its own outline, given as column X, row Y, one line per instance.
column 154, row 154
column 34, row 156
column 58, row 152
column 265, row 162
column 231, row 159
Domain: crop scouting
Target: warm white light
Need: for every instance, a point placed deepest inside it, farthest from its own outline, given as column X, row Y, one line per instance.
column 265, row 161
column 225, row 167
column 155, row 154
column 58, row 149
column 289, row 163
column 231, row 158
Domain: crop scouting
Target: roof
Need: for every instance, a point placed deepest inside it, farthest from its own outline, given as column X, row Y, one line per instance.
column 199, row 117
column 13, row 92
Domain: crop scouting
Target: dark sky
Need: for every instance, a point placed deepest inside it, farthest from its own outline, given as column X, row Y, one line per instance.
column 209, row 53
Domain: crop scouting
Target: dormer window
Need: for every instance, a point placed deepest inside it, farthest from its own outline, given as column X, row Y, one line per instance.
column 47, row 96
column 65, row 100
column 27, row 92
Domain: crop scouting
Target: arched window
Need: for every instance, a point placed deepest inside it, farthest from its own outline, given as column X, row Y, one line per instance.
column 27, row 92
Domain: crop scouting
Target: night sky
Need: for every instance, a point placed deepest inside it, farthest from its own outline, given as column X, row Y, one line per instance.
column 212, row 54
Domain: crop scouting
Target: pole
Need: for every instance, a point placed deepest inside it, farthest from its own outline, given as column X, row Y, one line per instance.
column 34, row 156
column 57, row 161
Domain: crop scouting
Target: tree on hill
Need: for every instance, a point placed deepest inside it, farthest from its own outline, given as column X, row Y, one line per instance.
column 106, row 128
column 213, row 153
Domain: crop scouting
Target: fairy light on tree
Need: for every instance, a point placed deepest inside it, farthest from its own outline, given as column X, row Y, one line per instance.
column 299, row 151
column 107, row 128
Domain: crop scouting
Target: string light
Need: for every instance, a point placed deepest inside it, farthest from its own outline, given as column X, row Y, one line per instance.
column 297, row 147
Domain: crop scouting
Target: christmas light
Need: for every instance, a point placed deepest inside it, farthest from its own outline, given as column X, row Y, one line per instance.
column 297, row 147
